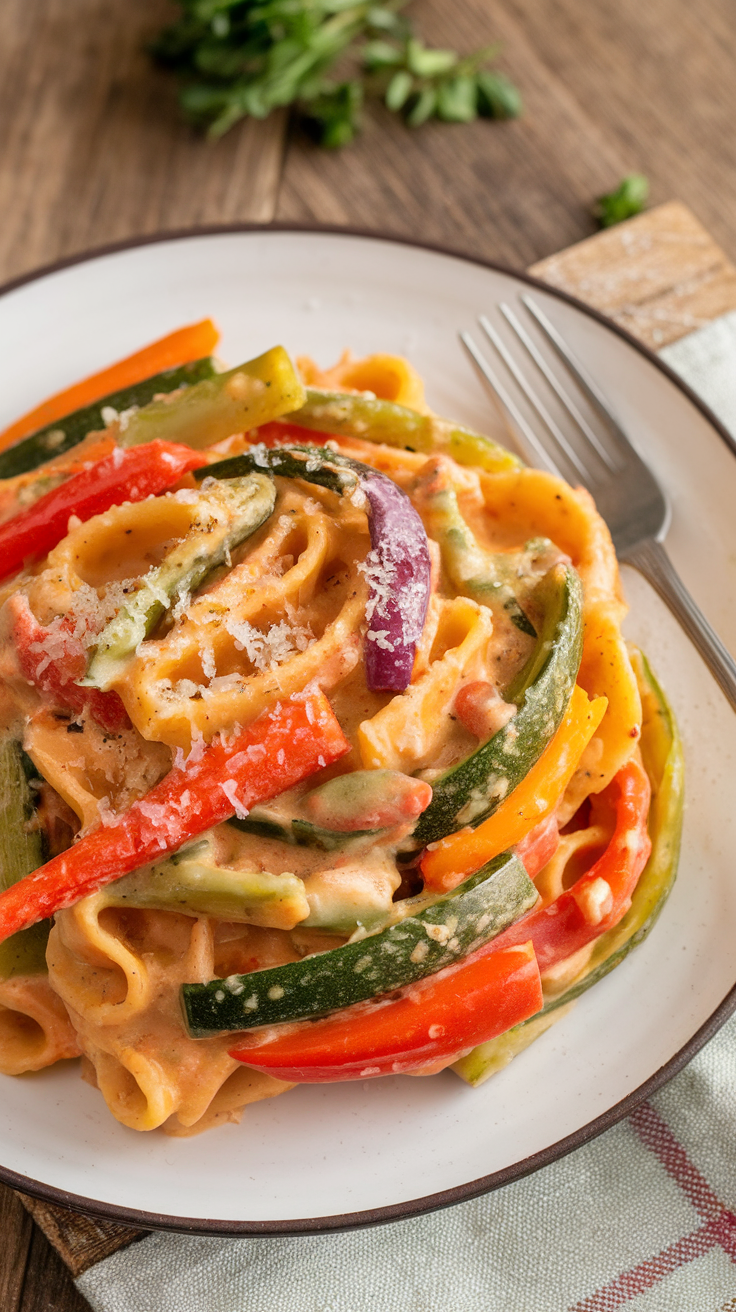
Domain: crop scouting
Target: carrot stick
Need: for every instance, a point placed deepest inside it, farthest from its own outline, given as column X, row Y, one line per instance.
column 181, row 347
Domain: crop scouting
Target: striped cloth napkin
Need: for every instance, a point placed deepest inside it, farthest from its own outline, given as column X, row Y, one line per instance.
column 639, row 1219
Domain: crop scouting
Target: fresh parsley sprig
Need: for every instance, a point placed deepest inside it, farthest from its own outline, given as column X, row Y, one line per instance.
column 239, row 58
column 424, row 83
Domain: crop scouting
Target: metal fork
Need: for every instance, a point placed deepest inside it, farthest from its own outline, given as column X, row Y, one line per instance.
column 626, row 492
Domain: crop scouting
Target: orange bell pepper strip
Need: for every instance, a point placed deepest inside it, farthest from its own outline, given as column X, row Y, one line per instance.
column 284, row 745
column 445, row 864
column 443, row 1015
column 180, row 347
column 601, row 897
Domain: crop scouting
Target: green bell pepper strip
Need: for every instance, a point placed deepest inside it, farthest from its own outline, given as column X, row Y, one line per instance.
column 434, row 936
column 661, row 749
column 21, row 852
column 227, row 513
column 471, row 791
column 57, row 438
column 233, row 402
column 371, row 419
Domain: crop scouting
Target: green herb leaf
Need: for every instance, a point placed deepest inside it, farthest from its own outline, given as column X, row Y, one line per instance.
column 428, row 63
column 381, row 54
column 456, row 100
column 497, row 97
column 422, row 108
column 629, row 198
column 245, row 58
column 399, row 89
column 333, row 117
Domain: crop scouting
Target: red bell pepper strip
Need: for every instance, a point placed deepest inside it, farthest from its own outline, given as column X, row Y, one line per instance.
column 52, row 659
column 130, row 475
column 280, row 748
column 602, row 896
column 279, row 432
column 438, row 1018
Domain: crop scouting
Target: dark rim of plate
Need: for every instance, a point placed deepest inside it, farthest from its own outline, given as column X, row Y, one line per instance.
column 132, row 1217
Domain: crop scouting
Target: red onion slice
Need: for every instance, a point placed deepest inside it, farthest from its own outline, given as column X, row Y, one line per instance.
column 398, row 572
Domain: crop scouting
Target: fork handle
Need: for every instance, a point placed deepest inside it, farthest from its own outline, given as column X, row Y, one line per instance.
column 651, row 560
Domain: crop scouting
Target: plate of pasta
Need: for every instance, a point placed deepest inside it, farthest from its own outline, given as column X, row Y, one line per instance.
column 335, row 749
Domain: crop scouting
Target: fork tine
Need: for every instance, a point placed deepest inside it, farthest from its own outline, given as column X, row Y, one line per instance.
column 532, row 448
column 534, row 400
column 578, row 371
column 556, row 386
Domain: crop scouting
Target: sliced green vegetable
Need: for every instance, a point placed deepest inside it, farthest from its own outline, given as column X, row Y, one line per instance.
column 21, row 852
column 472, row 790
column 324, row 468
column 254, row 393
column 494, row 579
column 295, row 831
column 56, row 438
column 661, row 750
column 375, row 420
column 227, row 513
column 419, row 945
column 193, row 883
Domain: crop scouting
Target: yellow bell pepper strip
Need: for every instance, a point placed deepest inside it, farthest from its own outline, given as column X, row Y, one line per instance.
column 601, row 897
column 446, row 863
column 435, row 1018
column 120, row 476
column 183, row 346
column 283, row 746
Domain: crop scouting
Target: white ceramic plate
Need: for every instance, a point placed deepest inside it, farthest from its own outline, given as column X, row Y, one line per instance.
column 331, row 1157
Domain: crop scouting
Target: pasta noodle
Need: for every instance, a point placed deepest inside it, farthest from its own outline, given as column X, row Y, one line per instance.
column 284, row 613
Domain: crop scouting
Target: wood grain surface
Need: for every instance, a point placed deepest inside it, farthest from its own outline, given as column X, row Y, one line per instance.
column 92, row 151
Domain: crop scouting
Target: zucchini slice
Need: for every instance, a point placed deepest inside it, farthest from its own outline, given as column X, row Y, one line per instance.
column 297, row 832
column 492, row 578
column 234, row 402
column 374, row 420
column 435, row 935
column 471, row 791
column 61, row 436
column 193, row 883
column 227, row 514
column 661, row 750
column 21, row 852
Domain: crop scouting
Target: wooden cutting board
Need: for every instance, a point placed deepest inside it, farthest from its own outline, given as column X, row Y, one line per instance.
column 660, row 276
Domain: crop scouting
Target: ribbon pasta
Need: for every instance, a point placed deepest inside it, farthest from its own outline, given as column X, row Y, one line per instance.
column 285, row 612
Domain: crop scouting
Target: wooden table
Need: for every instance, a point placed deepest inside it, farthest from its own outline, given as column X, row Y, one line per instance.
column 92, row 151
